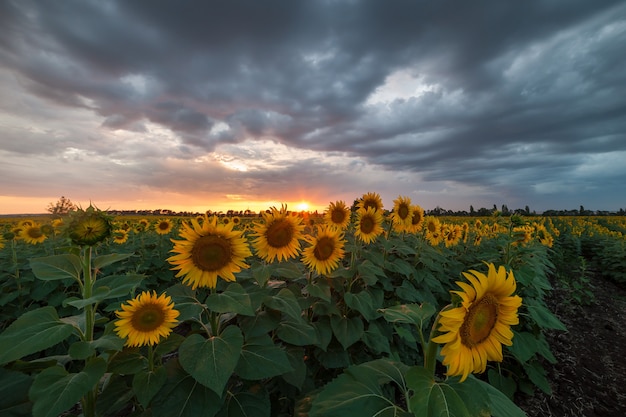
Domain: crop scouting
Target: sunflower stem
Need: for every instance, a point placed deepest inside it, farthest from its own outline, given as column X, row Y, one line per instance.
column 89, row 400
column 430, row 353
column 150, row 358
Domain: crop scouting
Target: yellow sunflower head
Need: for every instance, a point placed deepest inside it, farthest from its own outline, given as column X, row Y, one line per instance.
column 208, row 251
column 326, row 250
column 145, row 319
column 33, row 234
column 120, row 236
column 402, row 214
column 163, row 226
column 417, row 220
column 370, row 200
column 369, row 225
column 89, row 227
column 338, row 215
column 278, row 236
column 474, row 331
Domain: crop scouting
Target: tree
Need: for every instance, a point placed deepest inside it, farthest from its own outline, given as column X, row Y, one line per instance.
column 63, row 206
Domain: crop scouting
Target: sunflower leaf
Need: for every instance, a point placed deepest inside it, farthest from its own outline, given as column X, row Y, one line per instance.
column 233, row 300
column 261, row 358
column 212, row 361
column 110, row 258
column 57, row 267
column 147, row 383
column 416, row 314
column 33, row 331
column 431, row 398
column 347, row 330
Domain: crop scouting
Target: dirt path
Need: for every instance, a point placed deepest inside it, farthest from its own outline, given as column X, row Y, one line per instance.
column 589, row 378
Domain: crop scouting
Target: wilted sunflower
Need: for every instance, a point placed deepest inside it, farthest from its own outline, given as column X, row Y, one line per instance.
column 88, row 227
column 370, row 200
column 33, row 234
column 145, row 319
column 120, row 236
column 208, row 251
column 326, row 250
column 369, row 225
column 475, row 330
column 163, row 226
column 337, row 215
column 278, row 236
column 402, row 214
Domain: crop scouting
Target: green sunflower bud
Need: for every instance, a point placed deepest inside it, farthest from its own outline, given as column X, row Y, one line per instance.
column 89, row 227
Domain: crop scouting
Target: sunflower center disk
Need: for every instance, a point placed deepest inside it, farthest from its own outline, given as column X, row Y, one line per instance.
column 367, row 225
column 211, row 253
column 279, row 234
column 338, row 216
column 324, row 249
column 403, row 212
column 148, row 318
column 480, row 320
column 35, row 233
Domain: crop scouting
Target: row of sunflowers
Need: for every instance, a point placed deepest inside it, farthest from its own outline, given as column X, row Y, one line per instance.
column 282, row 314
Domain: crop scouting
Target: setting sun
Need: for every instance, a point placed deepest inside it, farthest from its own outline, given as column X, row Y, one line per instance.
column 303, row 206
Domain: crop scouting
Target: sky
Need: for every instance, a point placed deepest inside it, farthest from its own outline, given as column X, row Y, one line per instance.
column 219, row 105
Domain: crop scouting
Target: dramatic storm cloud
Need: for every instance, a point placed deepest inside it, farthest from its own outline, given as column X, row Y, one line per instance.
column 162, row 104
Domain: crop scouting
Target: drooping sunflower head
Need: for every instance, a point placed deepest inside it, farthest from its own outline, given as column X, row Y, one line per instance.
column 89, row 227
column 33, row 234
column 208, row 251
column 370, row 200
column 325, row 251
column 369, row 225
column 474, row 331
column 337, row 215
column 278, row 236
column 163, row 226
column 145, row 319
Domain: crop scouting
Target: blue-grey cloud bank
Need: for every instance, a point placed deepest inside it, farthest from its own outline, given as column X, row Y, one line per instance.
column 450, row 103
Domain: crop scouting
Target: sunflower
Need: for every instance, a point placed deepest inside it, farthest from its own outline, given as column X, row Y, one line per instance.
column 402, row 214
column 326, row 250
column 417, row 220
column 90, row 226
column 236, row 220
column 370, row 200
column 144, row 319
column 278, row 236
column 208, row 251
column 337, row 215
column 120, row 236
column 163, row 226
column 432, row 224
column 143, row 224
column 1, row 242
column 452, row 236
column 475, row 331
column 369, row 225
column 33, row 234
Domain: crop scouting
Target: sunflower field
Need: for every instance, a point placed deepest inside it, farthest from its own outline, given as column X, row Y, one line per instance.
column 360, row 311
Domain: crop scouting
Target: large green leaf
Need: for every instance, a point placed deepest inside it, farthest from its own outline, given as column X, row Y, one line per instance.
column 298, row 333
column 416, row 314
column 544, row 317
column 147, row 383
column 33, row 331
column 359, row 392
column 110, row 258
column 347, row 330
column 247, row 404
column 261, row 358
column 319, row 288
column 286, row 302
column 183, row 396
column 14, row 400
column 431, row 398
column 260, row 324
column 233, row 300
column 110, row 287
column 185, row 301
column 212, row 361
column 57, row 267
column 501, row 406
column 297, row 360
column 55, row 390
column 363, row 303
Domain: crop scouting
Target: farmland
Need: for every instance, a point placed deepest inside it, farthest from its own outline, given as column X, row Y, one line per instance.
column 283, row 313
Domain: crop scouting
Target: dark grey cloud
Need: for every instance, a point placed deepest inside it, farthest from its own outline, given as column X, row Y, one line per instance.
column 511, row 97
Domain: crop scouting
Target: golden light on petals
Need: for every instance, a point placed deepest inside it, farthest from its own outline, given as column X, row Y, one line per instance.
column 326, row 250
column 338, row 215
column 474, row 332
column 33, row 234
column 370, row 200
column 145, row 319
column 402, row 214
column 163, row 226
column 209, row 251
column 368, row 225
column 278, row 236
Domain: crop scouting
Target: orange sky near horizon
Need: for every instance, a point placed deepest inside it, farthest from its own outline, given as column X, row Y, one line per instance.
column 38, row 205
